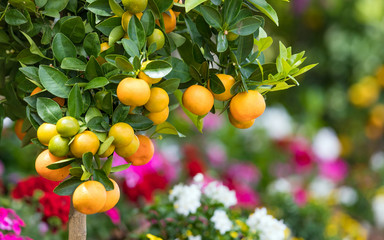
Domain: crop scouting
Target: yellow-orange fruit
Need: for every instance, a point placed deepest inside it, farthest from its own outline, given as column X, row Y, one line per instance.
column 198, row 100
column 123, row 134
column 130, row 149
column 228, row 82
column 89, row 197
column 246, row 106
column 45, row 159
column 158, row 100
column 144, row 154
column 84, row 142
column 159, row 117
column 133, row 92
column 238, row 124
column 113, row 197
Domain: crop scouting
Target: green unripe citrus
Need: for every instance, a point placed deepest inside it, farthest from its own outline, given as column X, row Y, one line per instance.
column 135, row 6
column 67, row 126
column 58, row 146
column 158, row 38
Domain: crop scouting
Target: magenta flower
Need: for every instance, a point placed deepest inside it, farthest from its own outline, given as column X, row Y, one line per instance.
column 216, row 155
column 114, row 215
column 246, row 196
column 243, row 173
column 335, row 171
column 213, row 122
column 300, row 197
column 9, row 221
column 302, row 155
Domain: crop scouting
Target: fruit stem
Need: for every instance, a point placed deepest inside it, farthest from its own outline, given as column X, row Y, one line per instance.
column 77, row 225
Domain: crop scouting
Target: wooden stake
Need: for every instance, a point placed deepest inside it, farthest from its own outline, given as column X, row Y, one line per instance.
column 77, row 225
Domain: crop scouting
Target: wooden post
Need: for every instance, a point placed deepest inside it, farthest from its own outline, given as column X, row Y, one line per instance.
column 77, row 225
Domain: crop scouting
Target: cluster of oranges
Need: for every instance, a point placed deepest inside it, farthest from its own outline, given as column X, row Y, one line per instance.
column 244, row 107
column 66, row 139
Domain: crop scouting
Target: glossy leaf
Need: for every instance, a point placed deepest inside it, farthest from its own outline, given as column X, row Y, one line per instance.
column 15, row 17
column 121, row 167
column 148, row 21
column 100, row 7
column 68, row 186
column 123, row 64
column 48, row 110
column 61, row 163
column 100, row 176
column 212, row 16
column 120, row 113
column 222, row 43
column 216, row 85
column 54, row 81
column 138, row 122
column 93, row 69
column 191, row 4
column 116, row 9
column 108, row 25
column 169, row 85
column 91, row 44
column 267, row 9
column 74, row 29
column 130, row 47
column 136, row 31
column 70, row 63
column 158, row 69
column 75, row 102
column 106, row 144
column 246, row 26
column 63, row 47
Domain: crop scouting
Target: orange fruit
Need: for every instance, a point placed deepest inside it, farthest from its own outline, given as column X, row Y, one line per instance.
column 169, row 21
column 130, row 149
column 123, row 134
column 145, row 152
column 145, row 77
column 67, row 126
column 126, row 18
column 89, row 197
column 135, row 6
column 159, row 117
column 84, row 142
column 228, row 82
column 246, row 106
column 133, row 92
column 109, row 151
column 238, row 124
column 158, row 100
column 198, row 100
column 60, row 101
column 113, row 197
column 18, row 129
column 45, row 159
column 45, row 132
column 58, row 146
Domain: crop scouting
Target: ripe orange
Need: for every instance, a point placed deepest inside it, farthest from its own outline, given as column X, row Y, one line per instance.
column 228, row 82
column 113, row 197
column 198, row 100
column 238, row 124
column 133, row 92
column 159, row 117
column 144, row 154
column 60, row 101
column 109, row 151
column 89, row 197
column 156, row 37
column 46, row 158
column 145, row 77
column 130, row 149
column 158, row 100
column 18, row 129
column 169, row 21
column 135, row 6
column 67, row 126
column 246, row 106
column 126, row 18
column 58, row 146
column 45, row 132
column 104, row 46
column 84, row 142
column 123, row 134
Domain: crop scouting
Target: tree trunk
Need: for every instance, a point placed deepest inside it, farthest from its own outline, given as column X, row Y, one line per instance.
column 77, row 225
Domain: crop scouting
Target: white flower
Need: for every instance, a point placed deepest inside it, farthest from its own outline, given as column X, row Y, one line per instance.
column 266, row 226
column 220, row 193
column 7, row 122
column 277, row 122
column 221, row 221
column 377, row 161
column 198, row 178
column 346, row 195
column 281, row 185
column 326, row 145
column 378, row 209
column 321, row 187
column 186, row 199
column 198, row 237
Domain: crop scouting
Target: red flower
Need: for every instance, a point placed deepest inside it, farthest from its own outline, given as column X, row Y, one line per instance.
column 27, row 187
column 55, row 205
column 194, row 163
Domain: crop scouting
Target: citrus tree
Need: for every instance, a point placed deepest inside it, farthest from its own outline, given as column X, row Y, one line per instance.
column 86, row 79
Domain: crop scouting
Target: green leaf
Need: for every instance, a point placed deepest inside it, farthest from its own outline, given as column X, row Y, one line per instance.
column 169, row 85
column 120, row 113
column 216, row 85
column 261, row 74
column 54, row 81
column 91, row 113
column 31, row 72
column 267, row 9
column 244, row 47
column 100, row 7
column 245, row 26
column 61, row 163
column 75, row 102
column 163, row 5
column 116, row 9
column 211, row 16
column 167, row 128
column 180, row 70
column 97, row 83
column 148, row 21
column 28, row 58
column 34, row 48
column 191, row 4
column 106, row 144
column 222, row 43
column 157, row 69
column 108, row 165
column 68, row 186
column 87, row 161
column 73, row 28
column 15, row 17
column 136, row 32
column 130, row 47
column 24, row 4
column 63, row 47
column 57, row 5
column 76, row 171
column 75, row 64
column 92, row 44
column 93, row 69
column 96, row 124
column 231, row 10
column 123, row 64
column 86, row 175
column 263, row 43
column 108, row 25
column 177, row 39
column 121, row 167
column 197, row 121
column 116, row 34
column 48, row 110
column 100, row 176
column 138, row 121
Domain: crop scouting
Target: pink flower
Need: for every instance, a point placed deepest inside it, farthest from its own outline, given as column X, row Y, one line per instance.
column 212, row 122
column 336, row 170
column 300, row 197
column 302, row 155
column 10, row 221
column 216, row 155
column 114, row 215
column 246, row 196
column 243, row 173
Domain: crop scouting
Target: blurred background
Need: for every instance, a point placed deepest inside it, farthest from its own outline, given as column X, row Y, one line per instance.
column 315, row 158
